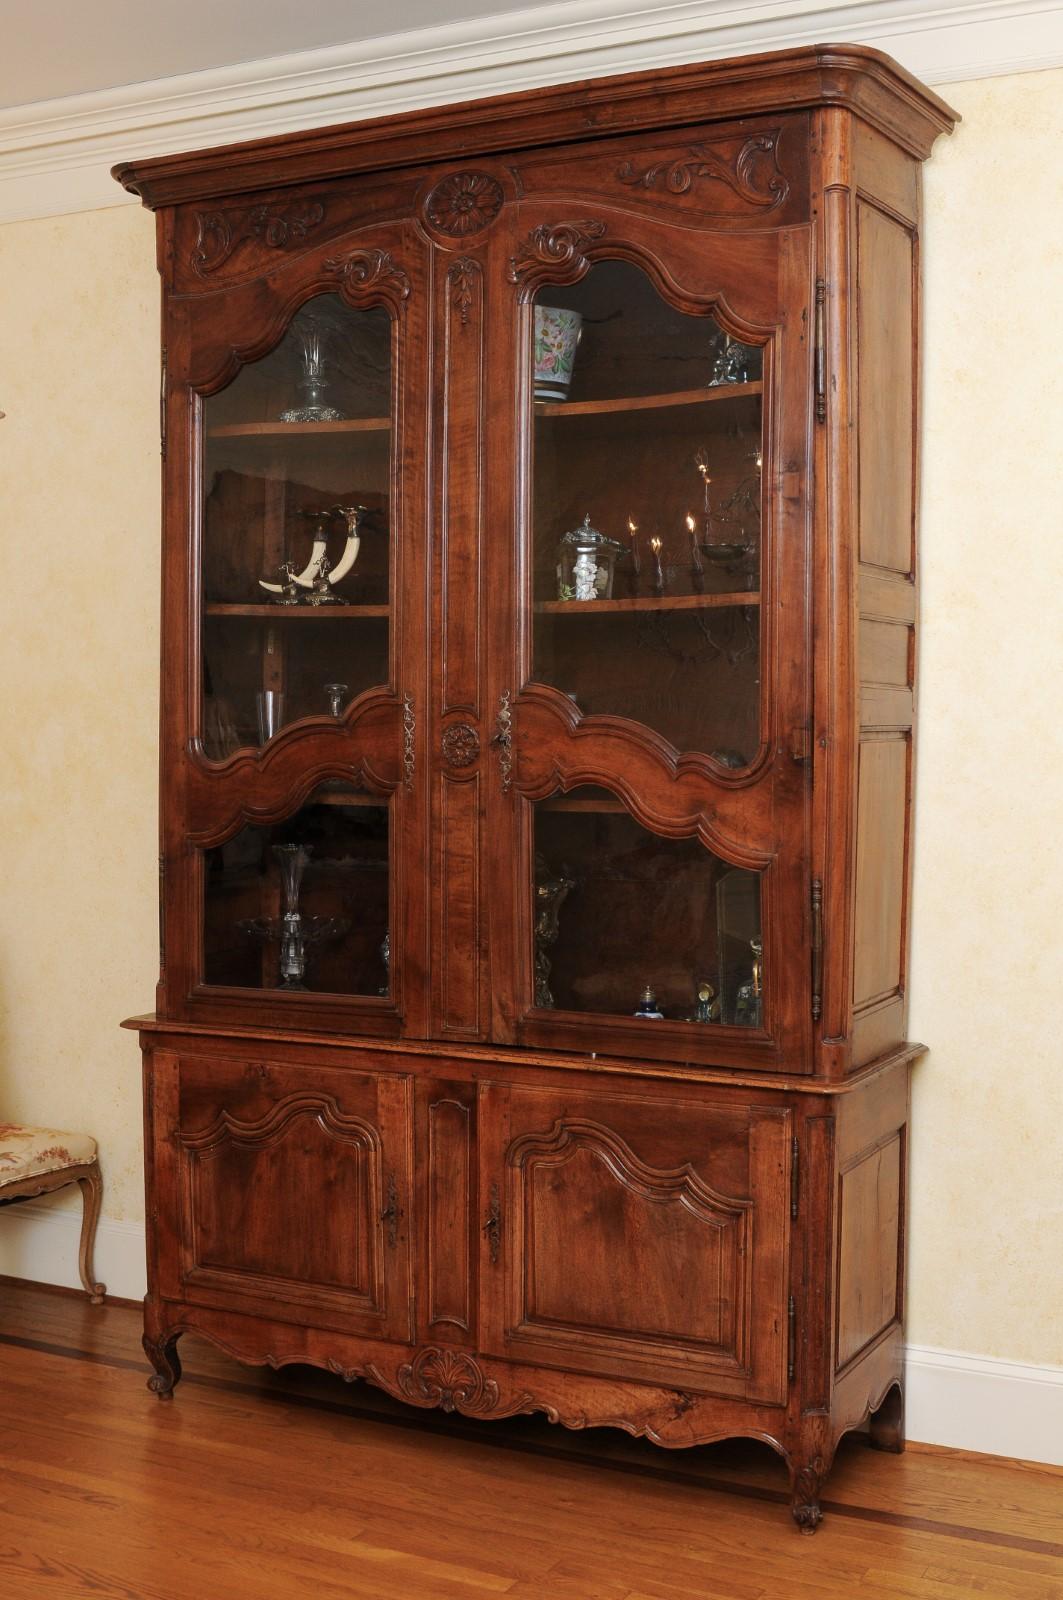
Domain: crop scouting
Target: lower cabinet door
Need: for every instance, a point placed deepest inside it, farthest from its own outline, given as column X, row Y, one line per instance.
column 283, row 1191
column 637, row 1237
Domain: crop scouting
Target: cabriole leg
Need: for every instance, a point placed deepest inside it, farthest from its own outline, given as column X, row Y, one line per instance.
column 162, row 1353
column 806, row 1479
column 91, row 1186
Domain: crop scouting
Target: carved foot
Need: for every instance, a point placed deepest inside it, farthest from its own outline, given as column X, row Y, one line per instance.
column 885, row 1426
column 804, row 1496
column 162, row 1353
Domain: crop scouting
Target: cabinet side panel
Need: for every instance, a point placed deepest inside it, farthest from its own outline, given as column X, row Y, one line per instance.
column 886, row 395
column 881, row 868
column 869, row 1201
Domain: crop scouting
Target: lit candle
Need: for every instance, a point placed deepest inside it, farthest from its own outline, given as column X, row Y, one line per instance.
column 633, row 529
column 702, row 461
column 695, row 551
column 658, row 570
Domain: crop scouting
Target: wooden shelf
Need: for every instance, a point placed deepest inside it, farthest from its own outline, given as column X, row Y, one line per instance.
column 219, row 608
column 289, row 430
column 664, row 602
column 647, row 402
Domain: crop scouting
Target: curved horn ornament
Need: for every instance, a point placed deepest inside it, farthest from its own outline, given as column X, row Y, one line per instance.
column 305, row 579
column 354, row 516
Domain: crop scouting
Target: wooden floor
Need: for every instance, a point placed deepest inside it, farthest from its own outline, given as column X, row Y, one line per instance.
column 268, row 1487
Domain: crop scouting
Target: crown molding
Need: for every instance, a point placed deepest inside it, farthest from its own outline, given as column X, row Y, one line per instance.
column 55, row 156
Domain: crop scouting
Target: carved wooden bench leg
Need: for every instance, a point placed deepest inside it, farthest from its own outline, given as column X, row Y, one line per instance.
column 91, row 1186
column 805, row 1482
column 886, row 1425
column 162, row 1353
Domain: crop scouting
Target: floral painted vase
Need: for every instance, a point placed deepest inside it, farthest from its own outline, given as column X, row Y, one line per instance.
column 556, row 337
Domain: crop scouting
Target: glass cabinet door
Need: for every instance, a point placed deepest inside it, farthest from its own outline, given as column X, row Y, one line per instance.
column 650, row 861
column 295, row 540
column 295, row 583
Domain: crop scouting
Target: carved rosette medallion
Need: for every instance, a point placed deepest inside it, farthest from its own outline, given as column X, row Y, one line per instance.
column 219, row 233
column 363, row 272
column 463, row 203
column 752, row 173
column 558, row 244
column 461, row 745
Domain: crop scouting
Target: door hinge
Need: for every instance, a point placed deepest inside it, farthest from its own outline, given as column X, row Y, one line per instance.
column 791, row 1339
column 162, row 407
column 162, row 915
column 795, row 1175
column 817, row 948
column 821, row 350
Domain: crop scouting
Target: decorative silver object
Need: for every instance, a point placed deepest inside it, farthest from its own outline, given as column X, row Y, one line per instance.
column 385, row 956
column 321, row 593
column 354, row 516
column 337, row 696
column 313, row 382
column 286, row 593
column 305, row 579
column 551, row 891
column 707, row 1007
column 587, row 560
column 647, row 1008
column 292, row 931
column 736, row 363
column 749, row 1001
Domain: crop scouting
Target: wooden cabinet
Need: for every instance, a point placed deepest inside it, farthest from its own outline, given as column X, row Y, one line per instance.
column 539, row 600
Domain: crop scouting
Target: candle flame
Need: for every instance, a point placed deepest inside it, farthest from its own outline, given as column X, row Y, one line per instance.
column 655, row 545
column 632, row 525
column 690, row 523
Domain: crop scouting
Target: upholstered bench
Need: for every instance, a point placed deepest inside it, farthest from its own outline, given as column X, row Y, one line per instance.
column 35, row 1161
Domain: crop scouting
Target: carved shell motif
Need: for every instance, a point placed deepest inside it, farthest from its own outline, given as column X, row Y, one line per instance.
column 558, row 244
column 463, row 203
column 361, row 271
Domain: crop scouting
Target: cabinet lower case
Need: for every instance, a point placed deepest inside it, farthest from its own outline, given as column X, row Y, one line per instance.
column 688, row 1257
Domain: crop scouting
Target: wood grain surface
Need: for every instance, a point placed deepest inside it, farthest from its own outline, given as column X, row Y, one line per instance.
column 273, row 1485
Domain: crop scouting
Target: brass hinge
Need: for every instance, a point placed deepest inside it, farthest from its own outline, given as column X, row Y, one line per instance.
column 791, row 1338
column 795, row 1175
column 162, row 407
column 817, row 948
column 821, row 350
column 162, row 915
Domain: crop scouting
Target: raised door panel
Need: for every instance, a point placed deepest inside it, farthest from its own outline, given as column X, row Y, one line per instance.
column 284, row 1192
column 637, row 1238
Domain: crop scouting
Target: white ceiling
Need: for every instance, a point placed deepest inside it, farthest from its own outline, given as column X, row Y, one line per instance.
column 52, row 48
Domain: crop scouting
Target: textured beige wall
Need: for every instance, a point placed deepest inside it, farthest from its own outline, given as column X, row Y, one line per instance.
column 986, row 1257
column 78, row 475
column 79, row 520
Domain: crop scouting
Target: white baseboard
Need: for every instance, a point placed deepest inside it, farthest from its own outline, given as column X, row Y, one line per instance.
column 1000, row 1408
column 55, row 155
column 39, row 1241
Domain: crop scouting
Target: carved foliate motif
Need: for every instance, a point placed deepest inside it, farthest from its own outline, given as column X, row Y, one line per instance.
column 461, row 276
column 752, row 172
column 449, row 1379
column 804, row 1497
column 463, row 203
column 219, row 233
column 558, row 244
column 362, row 271
column 461, row 745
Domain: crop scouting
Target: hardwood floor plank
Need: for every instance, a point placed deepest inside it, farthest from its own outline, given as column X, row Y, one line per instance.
column 106, row 1492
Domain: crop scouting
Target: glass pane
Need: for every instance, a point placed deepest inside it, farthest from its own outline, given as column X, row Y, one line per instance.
column 295, row 528
column 302, row 904
column 632, row 924
column 646, row 512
